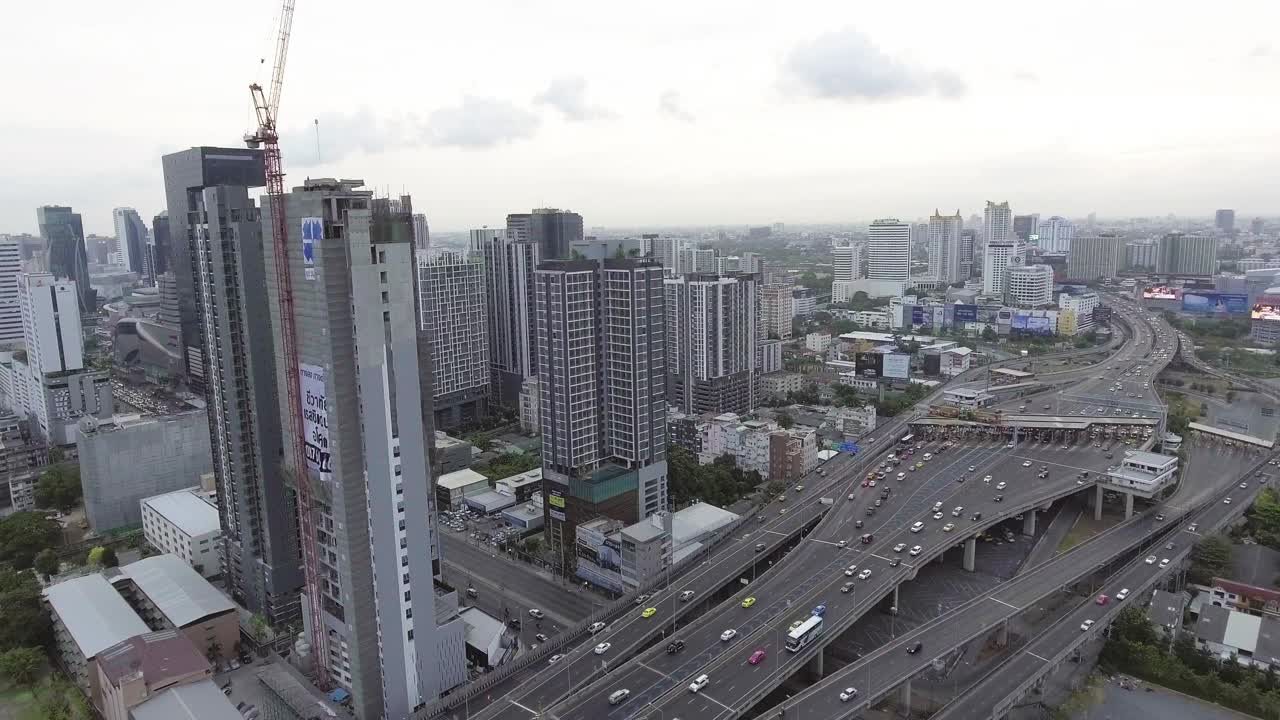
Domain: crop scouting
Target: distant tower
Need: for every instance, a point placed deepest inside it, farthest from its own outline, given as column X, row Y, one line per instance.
column 889, row 250
column 944, row 246
column 1225, row 221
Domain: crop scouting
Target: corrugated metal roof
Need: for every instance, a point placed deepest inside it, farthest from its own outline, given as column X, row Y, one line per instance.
column 176, row 589
column 197, row 701
column 95, row 615
column 1242, row 631
column 459, row 479
column 190, row 512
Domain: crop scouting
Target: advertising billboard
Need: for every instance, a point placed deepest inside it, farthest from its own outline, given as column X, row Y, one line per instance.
column 1265, row 312
column 917, row 315
column 1019, row 322
column 939, row 316
column 1159, row 293
column 1212, row 303
column 896, row 365
column 966, row 313
column 1040, row 325
column 869, row 364
column 312, row 231
column 1102, row 315
column 315, row 419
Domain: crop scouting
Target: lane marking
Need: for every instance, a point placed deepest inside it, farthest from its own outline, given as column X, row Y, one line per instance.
column 1015, row 607
column 653, row 669
column 531, row 711
column 726, row 707
column 1042, row 659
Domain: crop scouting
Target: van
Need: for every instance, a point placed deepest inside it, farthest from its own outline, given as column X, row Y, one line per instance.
column 617, row 696
column 699, row 683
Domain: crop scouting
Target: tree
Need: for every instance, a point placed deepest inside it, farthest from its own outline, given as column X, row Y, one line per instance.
column 59, row 488
column 56, row 455
column 103, row 557
column 21, row 664
column 24, row 622
column 989, row 335
column 785, row 421
column 23, row 534
column 1209, row 558
column 46, row 563
column 1132, row 625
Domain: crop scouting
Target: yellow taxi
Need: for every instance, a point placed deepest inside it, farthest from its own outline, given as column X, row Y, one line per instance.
column 649, row 612
column 748, row 602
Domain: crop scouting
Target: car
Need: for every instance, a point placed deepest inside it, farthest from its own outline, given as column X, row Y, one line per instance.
column 783, row 511
column 820, row 610
column 864, row 484
column 867, row 538
column 1159, row 518
column 948, row 527
column 1164, row 562
column 842, row 543
column 640, row 599
column 649, row 612
column 1042, row 474
column 760, row 547
column 1169, row 545
column 899, row 547
column 699, row 683
column 1226, row 501
column 757, row 657
column 848, row 694
column 618, row 696
column 915, row 550
column 748, row 602
column 1192, row 527
column 973, row 468
column 1102, row 600
column 879, row 502
column 1026, row 463
column 675, row 647
column 472, row 592
column 958, row 511
column 895, row 562
column 536, row 613
column 684, row 596
column 976, row 516
column 901, row 475
column 540, row 638
column 873, row 483
column 1244, row 486
column 871, row 511
column 849, row 571
column 917, row 527
column 1150, row 560
column 728, row 635
column 1122, row 594
column 851, row 494
column 603, row 648
column 857, row 523
column 1084, row 626
column 937, row 506
column 555, row 659
column 937, row 516
column 919, row 466
column 595, row 627
column 1002, row 486
column 928, row 456
column 846, row 587
column 866, row 573
column 986, row 479
column 799, row 488
column 915, row 647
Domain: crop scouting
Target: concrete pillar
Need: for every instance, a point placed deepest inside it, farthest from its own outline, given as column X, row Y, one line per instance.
column 815, row 666
column 1029, row 523
column 895, row 596
column 1128, row 506
column 906, row 697
column 1002, row 634
column 941, row 557
column 970, row 550
column 1097, row 503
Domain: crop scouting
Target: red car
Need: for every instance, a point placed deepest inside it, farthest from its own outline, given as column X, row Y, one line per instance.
column 864, row 483
column 1102, row 600
column 756, row 658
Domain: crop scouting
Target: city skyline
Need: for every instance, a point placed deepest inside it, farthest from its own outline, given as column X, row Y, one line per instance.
column 814, row 83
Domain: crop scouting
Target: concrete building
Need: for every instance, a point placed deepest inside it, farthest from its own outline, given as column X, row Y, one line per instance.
column 780, row 384
column 522, row 486
column 1094, row 257
column 452, row 488
column 138, row 677
column 153, row 345
column 10, row 305
column 1055, row 235
column 968, row 253
column 1082, row 305
column 997, row 224
column 1182, row 254
column 451, row 454
column 1231, row 636
column 197, row 181
column 129, row 458
column 1000, row 257
column 853, row 421
column 603, row 423
column 385, row 635
column 747, row 441
column 185, row 524
column 817, row 342
column 792, row 453
column 89, row 617
column 846, row 263
column 889, row 250
column 1165, row 612
column 1140, row 474
column 168, row 594
column 455, row 317
column 1144, row 256
column 1025, row 226
column 804, row 302
column 513, row 350
column 554, row 231
column 131, row 238
column 776, row 310
column 695, row 260
column 21, row 459
column 944, row 246
column 160, row 249
column 769, row 356
column 1245, row 597
column 1030, row 285
column 530, row 412
column 711, row 335
column 65, row 254
column 955, row 361
column 1225, row 221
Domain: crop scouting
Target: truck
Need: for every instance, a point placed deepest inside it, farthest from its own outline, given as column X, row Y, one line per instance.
column 826, row 501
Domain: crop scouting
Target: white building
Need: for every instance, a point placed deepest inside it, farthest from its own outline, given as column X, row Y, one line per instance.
column 965, row 397
column 889, row 250
column 853, row 420
column 997, row 222
column 513, row 349
column 846, row 261
column 1030, row 285
column 452, row 488
column 711, row 332
column 817, row 342
column 51, row 323
column 776, row 310
column 1083, row 305
column 746, row 440
column 10, row 305
column 451, row 291
column 1056, row 234
column 999, row 257
column 530, row 415
column 185, row 524
column 695, row 260
column 944, row 246
column 1143, row 473
column 955, row 361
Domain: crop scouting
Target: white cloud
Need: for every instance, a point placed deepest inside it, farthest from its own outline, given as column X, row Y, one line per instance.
column 333, row 136
column 671, row 104
column 846, row 65
column 569, row 96
column 478, row 123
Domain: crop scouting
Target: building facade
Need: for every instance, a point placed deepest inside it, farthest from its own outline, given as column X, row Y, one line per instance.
column 1094, row 256
column 10, row 305
column 65, row 255
column 1024, row 226
column 846, row 262
column 1225, row 221
column 1056, row 234
column 997, row 223
column 455, row 317
column 944, row 246
column 711, row 333
column 508, row 280
column 889, row 250
column 1001, row 256
column 1182, row 254
column 185, row 523
column 131, row 239
column 554, row 231
column 1030, row 285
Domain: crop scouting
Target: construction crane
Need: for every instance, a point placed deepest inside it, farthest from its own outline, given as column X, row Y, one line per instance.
column 267, row 137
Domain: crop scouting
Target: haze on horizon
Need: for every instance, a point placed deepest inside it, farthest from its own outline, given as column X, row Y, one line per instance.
column 677, row 114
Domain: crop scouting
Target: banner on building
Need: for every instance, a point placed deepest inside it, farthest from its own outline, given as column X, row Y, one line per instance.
column 315, row 419
column 312, row 232
column 869, row 364
column 966, row 313
column 917, row 315
column 897, row 366
column 1212, row 303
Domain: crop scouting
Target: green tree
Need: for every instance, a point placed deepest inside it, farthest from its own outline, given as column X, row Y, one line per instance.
column 23, row 534
column 785, row 421
column 21, row 664
column 56, row 455
column 46, row 563
column 1132, row 625
column 989, row 335
column 1209, row 558
column 59, row 487
column 774, row 488
column 24, row 622
column 103, row 557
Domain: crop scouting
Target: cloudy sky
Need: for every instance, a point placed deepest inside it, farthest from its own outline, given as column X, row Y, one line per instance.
column 671, row 112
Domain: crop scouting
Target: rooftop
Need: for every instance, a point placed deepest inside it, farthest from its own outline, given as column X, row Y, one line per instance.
column 482, row 629
column 95, row 615
column 1141, row 457
column 176, row 589
column 697, row 520
column 459, row 479
column 1256, row 565
column 524, row 478
column 188, row 510
column 158, row 657
column 1166, row 609
column 195, row 701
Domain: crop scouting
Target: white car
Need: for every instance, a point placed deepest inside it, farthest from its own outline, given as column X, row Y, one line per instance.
column 1026, row 463
column 1001, row 486
column 1151, row 560
column 899, row 547
column 1244, row 486
column 915, row 550
column 728, row 635
column 1226, row 501
column 864, row 574
column 536, row 613
column 603, row 648
column 595, row 627
column 901, row 475
column 1122, row 594
column 948, row 527
column 684, row 596
column 1164, row 563
column 1084, row 626
column 937, row 516
column 987, row 479
column 842, row 543
column 555, row 659
column 699, row 683
column 958, row 511
column 848, row 694
column 917, row 527
column 849, row 571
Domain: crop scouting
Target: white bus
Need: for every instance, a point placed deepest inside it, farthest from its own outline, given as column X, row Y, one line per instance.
column 803, row 635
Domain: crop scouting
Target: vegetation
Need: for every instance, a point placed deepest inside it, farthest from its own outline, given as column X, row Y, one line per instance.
column 508, row 464
column 1262, row 520
column 1209, row 558
column 23, row 620
column 103, row 557
column 23, row 535
column 59, row 487
column 720, row 483
column 59, row 700
column 785, row 421
column 891, row 405
column 1134, row 648
column 21, row 665
column 46, row 563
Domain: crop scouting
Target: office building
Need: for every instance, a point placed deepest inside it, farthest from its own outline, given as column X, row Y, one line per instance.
column 1182, row 254
column 997, row 223
column 1000, row 257
column 1030, row 285
column 508, row 280
column 889, row 250
column 160, row 249
column 603, row 423
column 50, row 323
column 1056, row 234
column 1094, row 257
column 131, row 239
column 421, row 233
column 968, row 245
column 1082, row 305
column 944, row 246
column 1024, row 226
column 127, row 458
column 65, row 255
column 1225, row 221
column 1143, row 256
column 455, row 318
column 804, row 302
column 89, row 617
column 10, row 306
column 196, row 181
column 185, row 523
column 384, row 633
column 711, row 328
column 553, row 231
column 846, row 263
column 776, row 310
column 695, row 260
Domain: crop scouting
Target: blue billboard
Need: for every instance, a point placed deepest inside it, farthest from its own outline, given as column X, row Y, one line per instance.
column 1200, row 302
column 917, row 315
column 1039, row 325
column 1019, row 322
column 966, row 313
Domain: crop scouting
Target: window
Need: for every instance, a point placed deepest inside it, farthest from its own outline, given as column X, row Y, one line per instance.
column 410, row 634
